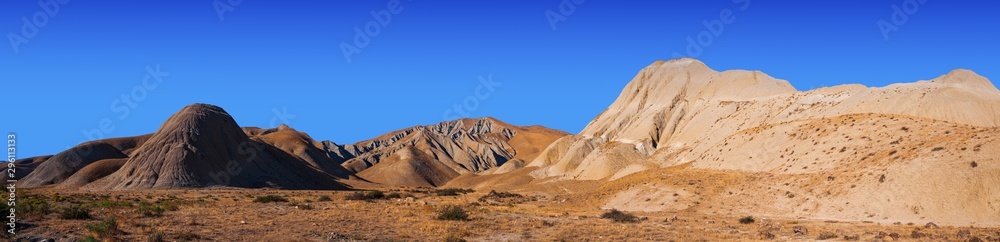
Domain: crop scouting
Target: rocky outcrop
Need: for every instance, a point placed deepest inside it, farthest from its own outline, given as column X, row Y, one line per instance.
column 433, row 154
column 674, row 112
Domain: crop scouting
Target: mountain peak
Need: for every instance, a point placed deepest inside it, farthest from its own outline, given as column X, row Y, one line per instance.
column 964, row 76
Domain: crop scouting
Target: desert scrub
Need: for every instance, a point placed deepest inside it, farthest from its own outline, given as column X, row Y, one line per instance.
column 324, row 198
column 110, row 204
column 155, row 237
column 826, row 236
column 33, row 206
column 269, row 199
column 619, row 216
column 370, row 195
column 453, row 212
column 395, row 195
column 107, row 228
column 497, row 198
column 74, row 212
column 452, row 191
column 747, row 220
column 149, row 210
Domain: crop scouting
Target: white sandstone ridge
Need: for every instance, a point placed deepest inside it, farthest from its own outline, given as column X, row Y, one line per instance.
column 674, row 111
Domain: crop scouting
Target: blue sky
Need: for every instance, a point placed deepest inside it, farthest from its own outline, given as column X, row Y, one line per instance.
column 266, row 57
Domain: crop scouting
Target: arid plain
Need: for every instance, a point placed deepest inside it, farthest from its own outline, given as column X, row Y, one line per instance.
column 685, row 153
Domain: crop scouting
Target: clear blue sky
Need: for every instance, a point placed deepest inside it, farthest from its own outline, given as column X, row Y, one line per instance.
column 263, row 56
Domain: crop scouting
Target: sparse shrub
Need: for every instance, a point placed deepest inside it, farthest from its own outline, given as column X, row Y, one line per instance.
column 75, row 212
column 937, row 149
column 455, row 237
column 619, row 216
column 508, row 198
column 376, row 194
column 974, row 164
column 765, row 235
column 452, row 238
column 324, row 198
column 452, row 191
column 747, row 220
column 107, row 228
column 355, row 196
column 33, row 206
column 269, row 199
column 826, row 236
column 394, row 195
column 149, row 210
column 453, row 212
column 110, row 204
column 168, row 205
column 89, row 239
column 303, row 206
column 155, row 237
column 370, row 195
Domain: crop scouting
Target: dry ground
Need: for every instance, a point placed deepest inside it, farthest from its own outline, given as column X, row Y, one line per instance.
column 232, row 215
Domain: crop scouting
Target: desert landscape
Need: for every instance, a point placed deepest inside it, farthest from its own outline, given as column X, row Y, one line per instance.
column 685, row 153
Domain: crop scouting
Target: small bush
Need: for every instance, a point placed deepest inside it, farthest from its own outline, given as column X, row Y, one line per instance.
column 149, row 210
column 826, row 236
column 269, row 199
column 168, row 205
column 89, row 239
column 110, row 204
column 455, row 237
column 33, row 206
column 303, row 206
column 452, row 191
column 155, row 237
column 370, row 195
column 747, row 220
column 394, row 195
column 324, row 198
column 619, row 216
column 375, row 194
column 494, row 195
column 75, row 212
column 453, row 212
column 105, row 229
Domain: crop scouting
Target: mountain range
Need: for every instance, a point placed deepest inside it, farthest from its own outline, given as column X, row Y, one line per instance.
column 679, row 136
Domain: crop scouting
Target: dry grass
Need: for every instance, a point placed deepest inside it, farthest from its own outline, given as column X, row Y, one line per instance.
column 549, row 218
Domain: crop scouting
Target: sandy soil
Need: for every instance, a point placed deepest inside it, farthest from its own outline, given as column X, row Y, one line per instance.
column 232, row 215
